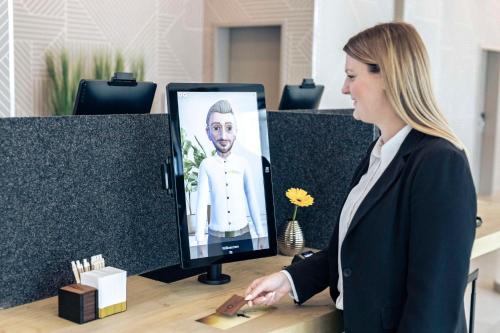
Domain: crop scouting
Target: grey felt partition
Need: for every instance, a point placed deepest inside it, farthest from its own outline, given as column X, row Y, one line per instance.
column 317, row 151
column 72, row 187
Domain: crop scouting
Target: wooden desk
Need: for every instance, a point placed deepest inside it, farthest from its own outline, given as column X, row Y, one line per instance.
column 158, row 307
column 488, row 235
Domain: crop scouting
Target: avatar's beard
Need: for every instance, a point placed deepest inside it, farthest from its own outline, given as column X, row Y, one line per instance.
column 224, row 149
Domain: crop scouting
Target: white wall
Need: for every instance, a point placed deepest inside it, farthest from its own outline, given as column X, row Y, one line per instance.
column 335, row 22
column 456, row 32
column 294, row 16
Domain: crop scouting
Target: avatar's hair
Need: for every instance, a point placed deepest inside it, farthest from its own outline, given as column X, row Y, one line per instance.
column 221, row 106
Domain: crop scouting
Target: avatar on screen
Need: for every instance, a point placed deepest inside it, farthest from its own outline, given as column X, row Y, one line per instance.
column 222, row 173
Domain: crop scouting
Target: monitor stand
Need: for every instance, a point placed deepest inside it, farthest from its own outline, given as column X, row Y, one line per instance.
column 214, row 275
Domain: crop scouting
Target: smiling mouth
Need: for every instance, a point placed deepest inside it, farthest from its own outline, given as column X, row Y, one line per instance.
column 223, row 142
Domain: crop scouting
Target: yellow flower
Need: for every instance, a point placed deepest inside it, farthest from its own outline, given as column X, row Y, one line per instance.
column 299, row 197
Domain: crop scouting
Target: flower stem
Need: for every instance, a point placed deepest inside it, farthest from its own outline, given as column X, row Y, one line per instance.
column 294, row 212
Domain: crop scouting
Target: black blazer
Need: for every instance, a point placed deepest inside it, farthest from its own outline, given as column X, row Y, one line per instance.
column 405, row 257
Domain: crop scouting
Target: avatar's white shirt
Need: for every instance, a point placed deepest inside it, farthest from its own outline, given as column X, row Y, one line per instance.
column 229, row 184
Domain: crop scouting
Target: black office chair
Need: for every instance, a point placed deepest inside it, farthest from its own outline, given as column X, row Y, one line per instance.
column 472, row 277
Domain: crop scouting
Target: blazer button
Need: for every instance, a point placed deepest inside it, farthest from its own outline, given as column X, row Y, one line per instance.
column 347, row 272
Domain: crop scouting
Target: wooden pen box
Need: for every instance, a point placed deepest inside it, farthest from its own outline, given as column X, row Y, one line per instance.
column 78, row 303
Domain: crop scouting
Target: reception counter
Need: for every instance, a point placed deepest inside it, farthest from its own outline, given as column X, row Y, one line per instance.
column 154, row 306
column 94, row 182
column 158, row 307
column 73, row 187
column 488, row 235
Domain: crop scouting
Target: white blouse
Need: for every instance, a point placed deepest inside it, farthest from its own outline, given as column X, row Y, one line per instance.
column 381, row 156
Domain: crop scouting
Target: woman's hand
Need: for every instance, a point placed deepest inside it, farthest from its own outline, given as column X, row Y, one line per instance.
column 268, row 290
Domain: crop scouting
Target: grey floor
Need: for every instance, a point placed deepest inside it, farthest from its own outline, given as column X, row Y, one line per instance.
column 487, row 308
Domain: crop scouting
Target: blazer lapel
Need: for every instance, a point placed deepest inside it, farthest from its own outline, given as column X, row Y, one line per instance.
column 387, row 179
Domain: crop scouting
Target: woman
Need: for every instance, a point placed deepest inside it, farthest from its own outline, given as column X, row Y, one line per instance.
column 399, row 255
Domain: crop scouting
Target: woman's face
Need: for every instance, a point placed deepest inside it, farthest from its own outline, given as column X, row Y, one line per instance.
column 367, row 92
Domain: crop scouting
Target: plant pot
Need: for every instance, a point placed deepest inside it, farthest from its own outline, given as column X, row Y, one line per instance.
column 291, row 238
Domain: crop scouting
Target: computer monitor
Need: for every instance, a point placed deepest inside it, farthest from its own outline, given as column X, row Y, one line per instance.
column 122, row 95
column 305, row 96
column 222, row 184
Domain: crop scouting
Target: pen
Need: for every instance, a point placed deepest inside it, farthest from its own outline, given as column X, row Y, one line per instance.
column 93, row 263
column 100, row 261
column 75, row 272
column 86, row 266
column 79, row 267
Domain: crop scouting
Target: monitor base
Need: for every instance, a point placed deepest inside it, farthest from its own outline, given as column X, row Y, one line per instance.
column 214, row 276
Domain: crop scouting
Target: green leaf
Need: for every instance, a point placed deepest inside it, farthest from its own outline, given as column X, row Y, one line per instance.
column 119, row 62
column 138, row 68
column 102, row 65
column 64, row 76
column 199, row 145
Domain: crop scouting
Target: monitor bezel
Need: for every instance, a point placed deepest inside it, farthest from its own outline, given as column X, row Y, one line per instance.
column 86, row 87
column 178, row 183
column 291, row 93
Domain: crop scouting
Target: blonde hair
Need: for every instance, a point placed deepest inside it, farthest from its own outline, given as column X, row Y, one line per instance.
column 398, row 53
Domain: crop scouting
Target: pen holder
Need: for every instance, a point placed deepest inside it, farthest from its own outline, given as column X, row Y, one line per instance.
column 111, row 285
column 77, row 303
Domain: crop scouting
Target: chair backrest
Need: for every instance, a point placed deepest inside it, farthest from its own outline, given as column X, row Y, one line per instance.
column 472, row 278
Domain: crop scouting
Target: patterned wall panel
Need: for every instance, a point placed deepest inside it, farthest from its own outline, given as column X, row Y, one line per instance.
column 172, row 37
column 295, row 18
column 4, row 60
column 166, row 33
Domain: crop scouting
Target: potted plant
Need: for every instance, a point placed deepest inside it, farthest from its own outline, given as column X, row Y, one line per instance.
column 65, row 72
column 64, row 76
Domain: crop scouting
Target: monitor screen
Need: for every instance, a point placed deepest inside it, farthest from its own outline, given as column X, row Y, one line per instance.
column 222, row 172
column 96, row 97
column 301, row 97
